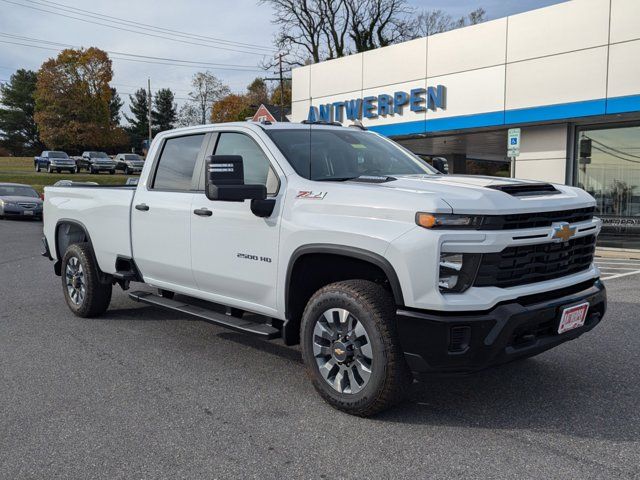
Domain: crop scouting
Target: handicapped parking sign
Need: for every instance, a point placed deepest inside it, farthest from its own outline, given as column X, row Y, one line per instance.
column 513, row 142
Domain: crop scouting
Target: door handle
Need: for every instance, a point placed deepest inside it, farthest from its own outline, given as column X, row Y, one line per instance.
column 203, row 212
column 143, row 207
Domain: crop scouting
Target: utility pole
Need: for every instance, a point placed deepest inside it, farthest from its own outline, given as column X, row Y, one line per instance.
column 149, row 106
column 281, row 88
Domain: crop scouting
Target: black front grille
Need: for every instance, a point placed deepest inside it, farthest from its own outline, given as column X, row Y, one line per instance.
column 535, row 263
column 535, row 220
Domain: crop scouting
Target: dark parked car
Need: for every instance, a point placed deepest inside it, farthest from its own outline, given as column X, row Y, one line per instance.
column 53, row 161
column 17, row 200
column 96, row 162
column 129, row 163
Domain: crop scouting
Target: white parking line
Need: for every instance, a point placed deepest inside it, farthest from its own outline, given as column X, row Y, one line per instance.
column 620, row 275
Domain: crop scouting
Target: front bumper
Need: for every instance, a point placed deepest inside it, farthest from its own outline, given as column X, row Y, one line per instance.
column 18, row 211
column 71, row 167
column 463, row 342
column 103, row 166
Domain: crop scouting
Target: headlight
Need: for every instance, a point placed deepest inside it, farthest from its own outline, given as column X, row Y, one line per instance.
column 457, row 271
column 434, row 220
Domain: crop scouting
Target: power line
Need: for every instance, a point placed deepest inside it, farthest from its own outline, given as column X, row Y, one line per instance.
column 198, row 66
column 164, row 37
column 154, row 28
column 616, row 156
column 611, row 148
column 66, row 45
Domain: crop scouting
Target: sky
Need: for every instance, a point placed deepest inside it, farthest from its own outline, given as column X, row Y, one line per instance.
column 244, row 25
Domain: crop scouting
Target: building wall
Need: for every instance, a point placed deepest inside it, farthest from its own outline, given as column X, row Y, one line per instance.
column 566, row 61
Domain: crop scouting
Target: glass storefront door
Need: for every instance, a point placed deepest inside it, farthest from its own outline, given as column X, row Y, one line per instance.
column 608, row 167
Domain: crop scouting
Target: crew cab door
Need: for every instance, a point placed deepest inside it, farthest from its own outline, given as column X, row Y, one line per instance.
column 234, row 252
column 161, row 213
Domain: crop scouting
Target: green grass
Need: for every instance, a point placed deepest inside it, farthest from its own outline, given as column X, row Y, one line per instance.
column 20, row 170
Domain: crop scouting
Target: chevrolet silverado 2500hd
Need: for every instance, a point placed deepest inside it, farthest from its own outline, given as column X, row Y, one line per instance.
column 341, row 240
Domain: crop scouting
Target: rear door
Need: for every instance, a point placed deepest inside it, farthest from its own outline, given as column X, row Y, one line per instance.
column 161, row 213
column 234, row 252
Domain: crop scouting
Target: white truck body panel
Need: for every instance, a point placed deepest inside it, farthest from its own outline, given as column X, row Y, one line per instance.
column 202, row 256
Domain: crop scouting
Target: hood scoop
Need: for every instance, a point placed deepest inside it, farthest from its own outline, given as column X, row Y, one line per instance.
column 373, row 179
column 526, row 189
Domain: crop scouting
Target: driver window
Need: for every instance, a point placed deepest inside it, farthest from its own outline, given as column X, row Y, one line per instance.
column 257, row 170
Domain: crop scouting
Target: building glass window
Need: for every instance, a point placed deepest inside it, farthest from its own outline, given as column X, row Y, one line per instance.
column 608, row 167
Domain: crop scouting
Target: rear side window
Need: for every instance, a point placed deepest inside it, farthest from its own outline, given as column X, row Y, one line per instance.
column 177, row 161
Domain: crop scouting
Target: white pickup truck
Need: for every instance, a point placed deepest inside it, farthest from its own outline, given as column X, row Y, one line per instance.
column 341, row 240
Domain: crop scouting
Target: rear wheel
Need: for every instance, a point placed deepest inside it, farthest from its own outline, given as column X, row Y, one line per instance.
column 350, row 347
column 84, row 293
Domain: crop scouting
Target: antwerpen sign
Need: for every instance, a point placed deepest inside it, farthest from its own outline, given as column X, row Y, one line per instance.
column 417, row 100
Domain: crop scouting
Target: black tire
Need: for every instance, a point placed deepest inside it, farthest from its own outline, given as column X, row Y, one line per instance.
column 111, row 172
column 91, row 170
column 374, row 308
column 97, row 295
column 58, row 170
column 49, row 169
column 37, row 165
column 165, row 293
column 126, row 170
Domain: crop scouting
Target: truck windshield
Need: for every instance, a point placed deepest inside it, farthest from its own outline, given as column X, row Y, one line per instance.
column 98, row 155
column 342, row 154
column 132, row 156
column 58, row 155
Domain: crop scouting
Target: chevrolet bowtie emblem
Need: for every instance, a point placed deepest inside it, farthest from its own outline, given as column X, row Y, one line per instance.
column 563, row 231
column 339, row 351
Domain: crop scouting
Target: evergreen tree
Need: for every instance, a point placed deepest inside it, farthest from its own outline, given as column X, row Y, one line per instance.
column 18, row 131
column 165, row 112
column 115, row 105
column 139, row 121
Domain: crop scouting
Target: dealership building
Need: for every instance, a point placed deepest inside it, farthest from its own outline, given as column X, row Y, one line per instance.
column 567, row 76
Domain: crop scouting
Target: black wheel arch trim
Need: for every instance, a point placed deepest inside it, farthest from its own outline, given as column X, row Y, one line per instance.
column 104, row 277
column 346, row 251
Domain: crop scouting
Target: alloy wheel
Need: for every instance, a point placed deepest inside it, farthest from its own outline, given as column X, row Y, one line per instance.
column 342, row 351
column 74, row 275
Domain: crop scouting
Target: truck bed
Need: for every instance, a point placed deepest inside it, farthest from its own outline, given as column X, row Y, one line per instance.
column 104, row 211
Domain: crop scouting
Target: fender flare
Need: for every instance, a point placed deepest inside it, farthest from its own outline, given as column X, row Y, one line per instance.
column 345, row 251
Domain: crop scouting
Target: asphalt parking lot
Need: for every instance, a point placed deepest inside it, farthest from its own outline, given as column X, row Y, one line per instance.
column 144, row 393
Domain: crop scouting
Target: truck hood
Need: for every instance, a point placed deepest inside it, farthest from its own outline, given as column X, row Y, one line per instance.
column 479, row 195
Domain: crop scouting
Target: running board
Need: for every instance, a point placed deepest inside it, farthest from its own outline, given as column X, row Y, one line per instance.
column 234, row 323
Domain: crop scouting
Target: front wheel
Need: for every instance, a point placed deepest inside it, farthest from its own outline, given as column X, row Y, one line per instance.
column 49, row 169
column 37, row 167
column 84, row 293
column 111, row 172
column 126, row 170
column 350, row 347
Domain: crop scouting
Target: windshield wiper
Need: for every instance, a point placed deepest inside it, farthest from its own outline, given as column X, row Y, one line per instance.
column 333, row 179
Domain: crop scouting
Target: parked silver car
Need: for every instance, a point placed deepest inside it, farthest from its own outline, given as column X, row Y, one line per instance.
column 17, row 200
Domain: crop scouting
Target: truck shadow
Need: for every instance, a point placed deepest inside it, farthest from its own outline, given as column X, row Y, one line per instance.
column 532, row 395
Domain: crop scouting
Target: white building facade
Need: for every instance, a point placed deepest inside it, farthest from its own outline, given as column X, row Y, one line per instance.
column 567, row 75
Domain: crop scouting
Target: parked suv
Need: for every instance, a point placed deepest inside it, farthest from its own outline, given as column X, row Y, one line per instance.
column 54, row 161
column 96, row 162
column 340, row 240
column 129, row 163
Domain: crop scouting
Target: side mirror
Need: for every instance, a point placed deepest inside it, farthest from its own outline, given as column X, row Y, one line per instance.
column 225, row 182
column 440, row 164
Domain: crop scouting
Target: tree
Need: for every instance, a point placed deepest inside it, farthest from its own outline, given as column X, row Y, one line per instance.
column 138, row 128
column 18, row 130
column 276, row 97
column 430, row 22
column 72, row 101
column 115, row 105
column 232, row 108
column 316, row 30
column 258, row 92
column 165, row 112
column 207, row 89
column 188, row 116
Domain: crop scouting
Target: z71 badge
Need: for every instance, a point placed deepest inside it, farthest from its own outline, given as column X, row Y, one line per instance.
column 311, row 195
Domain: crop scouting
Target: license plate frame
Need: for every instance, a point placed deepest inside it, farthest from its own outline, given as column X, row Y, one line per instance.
column 573, row 317
column 28, row 212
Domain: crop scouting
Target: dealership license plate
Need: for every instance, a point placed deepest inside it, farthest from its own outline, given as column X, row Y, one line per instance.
column 573, row 317
column 28, row 212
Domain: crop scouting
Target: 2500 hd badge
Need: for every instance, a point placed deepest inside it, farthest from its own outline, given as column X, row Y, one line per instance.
column 381, row 267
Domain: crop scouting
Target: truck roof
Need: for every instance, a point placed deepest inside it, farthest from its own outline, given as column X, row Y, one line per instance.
column 256, row 126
